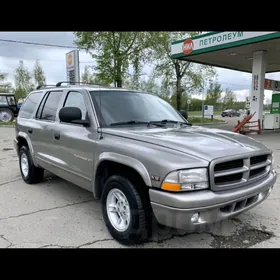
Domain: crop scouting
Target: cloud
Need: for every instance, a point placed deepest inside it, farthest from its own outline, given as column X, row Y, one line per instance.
column 53, row 60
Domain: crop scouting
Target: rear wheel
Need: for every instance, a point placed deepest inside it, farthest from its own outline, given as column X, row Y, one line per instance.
column 124, row 211
column 29, row 172
column 6, row 115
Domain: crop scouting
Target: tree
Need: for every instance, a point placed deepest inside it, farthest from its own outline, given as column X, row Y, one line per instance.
column 113, row 52
column 90, row 78
column 150, row 85
column 229, row 98
column 86, row 76
column 38, row 73
column 5, row 86
column 181, row 75
column 213, row 93
column 23, row 84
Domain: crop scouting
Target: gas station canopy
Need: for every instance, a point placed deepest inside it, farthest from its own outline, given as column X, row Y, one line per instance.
column 232, row 50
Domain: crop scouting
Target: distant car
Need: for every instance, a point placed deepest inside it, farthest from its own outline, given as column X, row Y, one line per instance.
column 8, row 107
column 230, row 113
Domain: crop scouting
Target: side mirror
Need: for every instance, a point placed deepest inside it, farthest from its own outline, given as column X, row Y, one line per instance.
column 184, row 114
column 72, row 115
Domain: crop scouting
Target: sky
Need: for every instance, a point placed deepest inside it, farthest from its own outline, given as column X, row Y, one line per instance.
column 53, row 60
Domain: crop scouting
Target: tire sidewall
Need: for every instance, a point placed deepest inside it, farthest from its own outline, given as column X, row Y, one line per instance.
column 25, row 150
column 117, row 182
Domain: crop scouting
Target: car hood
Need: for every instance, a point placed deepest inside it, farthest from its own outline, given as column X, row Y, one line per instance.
column 205, row 143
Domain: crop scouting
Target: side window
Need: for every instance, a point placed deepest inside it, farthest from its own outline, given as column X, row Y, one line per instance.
column 76, row 99
column 40, row 109
column 29, row 105
column 51, row 105
column 3, row 100
column 11, row 100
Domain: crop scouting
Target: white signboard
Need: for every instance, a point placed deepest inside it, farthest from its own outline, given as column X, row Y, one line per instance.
column 188, row 46
column 189, row 101
column 271, row 84
column 73, row 66
column 208, row 110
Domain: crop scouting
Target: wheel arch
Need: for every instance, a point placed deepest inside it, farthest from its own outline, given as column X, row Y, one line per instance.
column 24, row 139
column 110, row 163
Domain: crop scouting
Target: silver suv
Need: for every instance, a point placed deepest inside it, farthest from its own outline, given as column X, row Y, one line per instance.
column 141, row 157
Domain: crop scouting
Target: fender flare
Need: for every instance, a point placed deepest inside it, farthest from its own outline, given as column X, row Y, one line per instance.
column 125, row 160
column 27, row 138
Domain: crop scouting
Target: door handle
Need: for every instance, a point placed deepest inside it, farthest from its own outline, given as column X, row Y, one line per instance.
column 56, row 136
column 30, row 130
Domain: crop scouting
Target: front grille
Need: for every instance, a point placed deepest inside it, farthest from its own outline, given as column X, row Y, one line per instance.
column 227, row 174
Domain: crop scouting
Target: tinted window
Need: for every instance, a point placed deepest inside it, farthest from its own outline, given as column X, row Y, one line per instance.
column 123, row 106
column 3, row 100
column 40, row 109
column 76, row 99
column 29, row 105
column 11, row 100
column 50, row 108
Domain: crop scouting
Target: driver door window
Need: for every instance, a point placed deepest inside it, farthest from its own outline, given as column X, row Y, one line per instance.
column 76, row 99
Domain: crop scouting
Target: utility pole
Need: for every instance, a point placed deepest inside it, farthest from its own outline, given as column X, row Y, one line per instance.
column 204, row 90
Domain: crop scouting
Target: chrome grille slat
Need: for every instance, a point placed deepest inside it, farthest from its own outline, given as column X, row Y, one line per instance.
column 226, row 174
column 231, row 172
column 259, row 165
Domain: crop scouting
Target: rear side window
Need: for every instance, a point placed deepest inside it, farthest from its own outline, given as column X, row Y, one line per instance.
column 40, row 109
column 51, row 105
column 30, row 104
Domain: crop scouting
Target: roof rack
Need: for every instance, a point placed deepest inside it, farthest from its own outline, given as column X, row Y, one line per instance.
column 80, row 83
column 44, row 86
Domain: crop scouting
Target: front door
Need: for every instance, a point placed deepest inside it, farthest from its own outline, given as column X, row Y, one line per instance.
column 75, row 143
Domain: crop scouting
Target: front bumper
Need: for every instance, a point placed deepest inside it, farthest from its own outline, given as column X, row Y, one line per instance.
column 195, row 210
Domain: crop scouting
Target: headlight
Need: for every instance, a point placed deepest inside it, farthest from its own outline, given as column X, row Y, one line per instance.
column 186, row 180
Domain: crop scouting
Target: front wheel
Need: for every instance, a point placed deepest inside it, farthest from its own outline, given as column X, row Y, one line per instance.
column 6, row 115
column 123, row 211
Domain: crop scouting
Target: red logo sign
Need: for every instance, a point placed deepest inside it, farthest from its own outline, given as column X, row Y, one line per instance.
column 188, row 46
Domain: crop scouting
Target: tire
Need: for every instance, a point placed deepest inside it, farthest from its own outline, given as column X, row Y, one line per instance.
column 137, row 229
column 6, row 115
column 32, row 174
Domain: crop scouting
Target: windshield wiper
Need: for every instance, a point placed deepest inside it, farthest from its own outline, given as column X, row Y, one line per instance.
column 134, row 122
column 171, row 121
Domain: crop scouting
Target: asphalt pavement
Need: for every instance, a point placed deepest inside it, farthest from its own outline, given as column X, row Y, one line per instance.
column 58, row 214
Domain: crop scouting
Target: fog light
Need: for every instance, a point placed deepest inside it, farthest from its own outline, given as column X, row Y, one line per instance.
column 195, row 217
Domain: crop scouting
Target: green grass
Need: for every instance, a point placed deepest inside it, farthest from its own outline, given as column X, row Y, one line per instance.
column 7, row 123
column 196, row 120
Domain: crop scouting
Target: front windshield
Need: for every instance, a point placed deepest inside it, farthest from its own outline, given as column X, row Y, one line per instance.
column 124, row 106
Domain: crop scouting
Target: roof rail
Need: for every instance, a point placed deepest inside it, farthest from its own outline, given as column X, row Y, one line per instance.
column 80, row 83
column 44, row 86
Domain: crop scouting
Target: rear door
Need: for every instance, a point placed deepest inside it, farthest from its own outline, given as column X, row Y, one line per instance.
column 43, row 129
